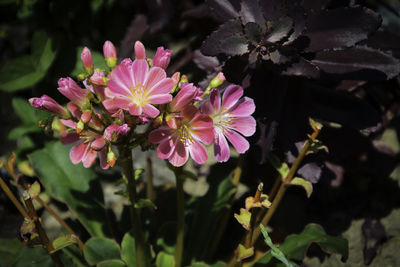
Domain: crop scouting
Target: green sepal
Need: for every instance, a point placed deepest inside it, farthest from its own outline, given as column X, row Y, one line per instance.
column 34, row 189
column 244, row 253
column 244, row 218
column 64, row 241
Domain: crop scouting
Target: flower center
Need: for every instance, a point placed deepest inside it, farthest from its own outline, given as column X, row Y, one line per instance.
column 184, row 134
column 222, row 119
column 138, row 95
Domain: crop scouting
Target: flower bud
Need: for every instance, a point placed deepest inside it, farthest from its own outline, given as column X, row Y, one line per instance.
column 171, row 121
column 217, row 80
column 140, row 51
column 87, row 61
column 110, row 54
column 111, row 158
column 81, row 77
column 175, row 78
column 79, row 127
column 71, row 90
column 162, row 57
column 98, row 80
column 158, row 120
column 86, row 116
column 113, row 132
column 50, row 105
column 184, row 79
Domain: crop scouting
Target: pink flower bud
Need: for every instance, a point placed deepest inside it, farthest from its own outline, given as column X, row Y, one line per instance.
column 110, row 54
column 176, row 77
column 50, row 105
column 140, row 51
column 87, row 61
column 71, row 90
column 80, row 126
column 98, row 80
column 217, row 80
column 111, row 158
column 86, row 116
column 162, row 57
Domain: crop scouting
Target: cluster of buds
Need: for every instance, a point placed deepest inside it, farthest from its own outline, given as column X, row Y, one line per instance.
column 105, row 108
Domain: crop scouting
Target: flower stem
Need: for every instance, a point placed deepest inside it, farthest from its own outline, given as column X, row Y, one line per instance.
column 14, row 200
column 180, row 201
column 149, row 180
column 283, row 186
column 142, row 251
column 42, row 234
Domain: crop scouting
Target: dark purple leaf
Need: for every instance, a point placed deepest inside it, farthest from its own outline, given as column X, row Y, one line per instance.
column 299, row 20
column 161, row 12
column 208, row 64
column 251, row 12
column 302, row 68
column 315, row 5
column 273, row 9
column 374, row 235
column 134, row 32
column 224, row 9
column 253, row 32
column 385, row 41
column 359, row 63
column 279, row 29
column 235, row 69
column 278, row 58
column 227, row 39
column 341, row 27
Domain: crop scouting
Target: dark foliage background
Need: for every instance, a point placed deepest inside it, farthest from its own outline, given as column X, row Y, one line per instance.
column 335, row 61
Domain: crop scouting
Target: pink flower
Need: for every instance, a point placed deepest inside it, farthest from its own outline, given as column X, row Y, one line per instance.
column 135, row 87
column 71, row 90
column 110, row 54
column 96, row 89
column 185, row 96
column 162, row 57
column 177, row 144
column 87, row 61
column 50, row 105
column 230, row 118
column 87, row 143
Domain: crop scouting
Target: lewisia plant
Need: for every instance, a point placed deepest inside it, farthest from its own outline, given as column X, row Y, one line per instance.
column 106, row 106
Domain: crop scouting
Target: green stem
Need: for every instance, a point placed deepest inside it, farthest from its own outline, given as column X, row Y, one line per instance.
column 180, row 233
column 283, row 186
column 142, row 251
column 14, row 200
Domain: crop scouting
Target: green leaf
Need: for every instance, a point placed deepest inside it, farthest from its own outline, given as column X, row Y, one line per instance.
column 275, row 252
column 128, row 250
column 63, row 241
column 244, row 253
column 303, row 183
column 165, row 260
column 32, row 257
column 75, row 255
column 166, row 237
column 98, row 249
column 296, row 245
column 9, row 247
column 282, row 168
column 144, row 203
column 202, row 264
column 25, row 71
column 244, row 218
column 72, row 184
column 212, row 212
column 112, row 263
column 28, row 114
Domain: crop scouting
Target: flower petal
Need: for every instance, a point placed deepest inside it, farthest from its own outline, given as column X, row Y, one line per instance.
column 198, row 152
column 159, row 135
column 205, row 135
column 244, row 125
column 89, row 158
column 139, row 71
column 68, row 123
column 239, row 142
column 215, row 99
column 180, row 155
column 114, row 104
column 68, row 138
column 121, row 80
column 154, row 76
column 207, row 108
column 77, row 152
column 150, row 110
column 166, row 148
column 221, row 147
column 103, row 159
column 159, row 99
column 98, row 144
column 135, row 110
column 231, row 95
column 163, row 87
column 244, row 107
